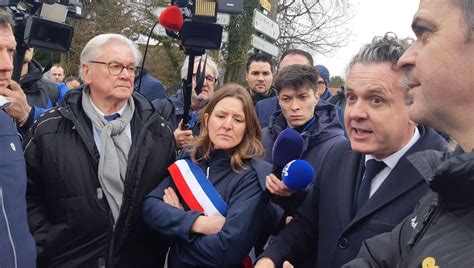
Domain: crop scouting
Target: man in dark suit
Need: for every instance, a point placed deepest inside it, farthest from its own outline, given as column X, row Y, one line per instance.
column 366, row 185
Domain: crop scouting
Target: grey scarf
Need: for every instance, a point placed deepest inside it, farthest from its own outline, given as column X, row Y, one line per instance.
column 114, row 148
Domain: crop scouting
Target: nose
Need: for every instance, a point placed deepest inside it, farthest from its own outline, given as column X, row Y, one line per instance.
column 356, row 111
column 407, row 60
column 6, row 61
column 227, row 124
column 125, row 73
column 294, row 105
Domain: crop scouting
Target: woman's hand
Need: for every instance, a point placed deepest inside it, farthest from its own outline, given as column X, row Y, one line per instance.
column 171, row 198
column 277, row 187
column 208, row 225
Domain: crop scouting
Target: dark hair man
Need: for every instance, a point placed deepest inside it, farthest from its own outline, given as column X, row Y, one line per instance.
column 318, row 124
column 57, row 72
column 259, row 77
column 267, row 107
column 440, row 230
column 17, row 245
column 91, row 162
column 366, row 185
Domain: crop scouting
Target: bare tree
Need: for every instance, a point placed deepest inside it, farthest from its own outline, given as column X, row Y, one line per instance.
column 317, row 25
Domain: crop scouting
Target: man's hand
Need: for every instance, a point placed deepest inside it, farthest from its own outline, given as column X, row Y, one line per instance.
column 182, row 137
column 208, row 225
column 277, row 187
column 19, row 108
column 171, row 198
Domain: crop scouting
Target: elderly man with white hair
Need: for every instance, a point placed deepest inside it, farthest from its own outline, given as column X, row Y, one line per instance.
column 91, row 163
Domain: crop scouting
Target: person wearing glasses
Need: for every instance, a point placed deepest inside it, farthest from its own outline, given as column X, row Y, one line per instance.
column 92, row 161
column 172, row 108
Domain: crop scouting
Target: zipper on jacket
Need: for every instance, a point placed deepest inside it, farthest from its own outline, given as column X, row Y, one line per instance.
column 10, row 237
column 428, row 218
column 111, row 243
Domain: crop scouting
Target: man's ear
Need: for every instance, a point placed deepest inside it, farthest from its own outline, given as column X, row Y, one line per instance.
column 86, row 73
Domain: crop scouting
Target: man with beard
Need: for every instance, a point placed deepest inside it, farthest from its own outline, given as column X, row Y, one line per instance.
column 259, row 77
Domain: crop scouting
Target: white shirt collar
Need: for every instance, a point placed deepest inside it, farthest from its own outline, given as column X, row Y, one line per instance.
column 392, row 160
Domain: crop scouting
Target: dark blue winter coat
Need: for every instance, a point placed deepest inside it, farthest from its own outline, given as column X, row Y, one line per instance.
column 318, row 139
column 151, row 87
column 244, row 194
column 17, row 247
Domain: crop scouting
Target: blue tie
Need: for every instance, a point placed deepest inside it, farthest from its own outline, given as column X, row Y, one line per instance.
column 372, row 168
column 111, row 117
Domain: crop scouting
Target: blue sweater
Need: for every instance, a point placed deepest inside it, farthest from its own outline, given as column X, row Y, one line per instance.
column 17, row 247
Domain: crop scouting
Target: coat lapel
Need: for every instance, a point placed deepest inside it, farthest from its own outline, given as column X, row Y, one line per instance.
column 352, row 169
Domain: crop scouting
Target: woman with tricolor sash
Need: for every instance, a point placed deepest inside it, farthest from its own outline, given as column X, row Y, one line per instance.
column 212, row 207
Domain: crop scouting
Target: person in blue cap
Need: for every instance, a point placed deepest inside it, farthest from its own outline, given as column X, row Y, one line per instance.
column 323, row 82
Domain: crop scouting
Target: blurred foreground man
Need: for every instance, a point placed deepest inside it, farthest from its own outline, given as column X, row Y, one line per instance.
column 440, row 231
column 91, row 163
column 17, row 248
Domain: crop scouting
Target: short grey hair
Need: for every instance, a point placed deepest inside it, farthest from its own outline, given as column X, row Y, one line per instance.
column 5, row 19
column 210, row 62
column 387, row 48
column 467, row 8
column 92, row 50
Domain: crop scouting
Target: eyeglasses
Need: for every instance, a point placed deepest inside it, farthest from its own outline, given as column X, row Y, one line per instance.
column 209, row 78
column 116, row 68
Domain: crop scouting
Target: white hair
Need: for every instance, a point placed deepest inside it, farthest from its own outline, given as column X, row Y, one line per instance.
column 92, row 50
column 209, row 62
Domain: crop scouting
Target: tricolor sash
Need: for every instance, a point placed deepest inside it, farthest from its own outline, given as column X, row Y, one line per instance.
column 197, row 191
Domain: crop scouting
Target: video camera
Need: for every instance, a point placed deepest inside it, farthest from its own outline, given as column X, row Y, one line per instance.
column 40, row 24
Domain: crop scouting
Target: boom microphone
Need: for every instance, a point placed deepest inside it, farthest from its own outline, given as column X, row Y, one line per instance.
column 297, row 174
column 288, row 146
column 171, row 18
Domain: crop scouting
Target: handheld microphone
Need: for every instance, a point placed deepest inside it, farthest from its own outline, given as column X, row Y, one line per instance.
column 172, row 19
column 297, row 174
column 288, row 146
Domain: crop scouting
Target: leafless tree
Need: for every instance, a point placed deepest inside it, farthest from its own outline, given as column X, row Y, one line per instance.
column 317, row 25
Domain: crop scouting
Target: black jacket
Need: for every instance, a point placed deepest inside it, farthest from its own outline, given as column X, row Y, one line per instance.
column 69, row 217
column 441, row 229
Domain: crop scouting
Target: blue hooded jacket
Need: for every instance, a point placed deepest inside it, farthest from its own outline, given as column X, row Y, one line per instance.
column 17, row 247
column 318, row 139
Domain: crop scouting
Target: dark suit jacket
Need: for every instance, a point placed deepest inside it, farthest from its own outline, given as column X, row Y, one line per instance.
column 327, row 229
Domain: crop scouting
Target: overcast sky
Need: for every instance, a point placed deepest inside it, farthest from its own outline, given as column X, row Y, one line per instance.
column 372, row 18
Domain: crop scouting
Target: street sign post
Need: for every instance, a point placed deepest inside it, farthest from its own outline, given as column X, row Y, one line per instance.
column 265, row 25
column 265, row 46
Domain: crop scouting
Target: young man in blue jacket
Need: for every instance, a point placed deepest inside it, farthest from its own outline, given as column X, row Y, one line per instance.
column 17, row 245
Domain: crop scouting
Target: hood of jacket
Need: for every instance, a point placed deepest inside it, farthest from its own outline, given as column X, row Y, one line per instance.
column 327, row 125
column 35, row 73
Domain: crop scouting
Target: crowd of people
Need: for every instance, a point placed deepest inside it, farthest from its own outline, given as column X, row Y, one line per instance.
column 108, row 175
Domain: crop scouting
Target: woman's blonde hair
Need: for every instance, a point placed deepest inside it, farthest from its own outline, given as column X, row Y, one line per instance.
column 249, row 147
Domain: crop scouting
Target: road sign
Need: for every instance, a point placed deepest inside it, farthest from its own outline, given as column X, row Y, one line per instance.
column 265, row 46
column 223, row 18
column 265, row 25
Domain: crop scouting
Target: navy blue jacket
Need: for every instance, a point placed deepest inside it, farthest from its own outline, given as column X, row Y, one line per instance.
column 327, row 218
column 318, row 139
column 266, row 108
column 17, row 247
column 244, row 194
column 151, row 87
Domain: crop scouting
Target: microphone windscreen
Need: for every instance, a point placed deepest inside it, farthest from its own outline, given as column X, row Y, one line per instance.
column 171, row 18
column 297, row 174
column 288, row 146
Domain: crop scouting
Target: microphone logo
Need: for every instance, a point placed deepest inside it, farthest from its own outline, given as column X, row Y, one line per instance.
column 284, row 172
